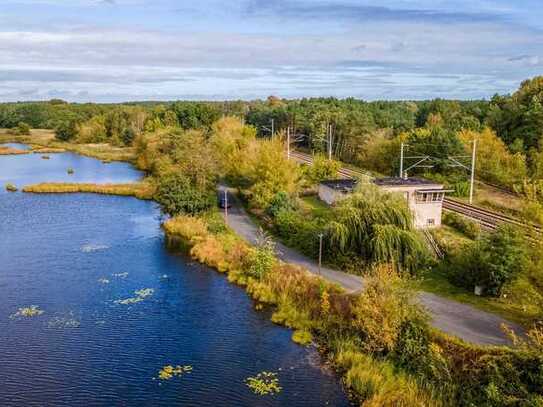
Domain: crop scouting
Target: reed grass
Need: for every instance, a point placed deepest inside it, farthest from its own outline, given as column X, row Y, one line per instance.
column 141, row 190
column 103, row 152
column 378, row 340
column 47, row 150
column 12, row 151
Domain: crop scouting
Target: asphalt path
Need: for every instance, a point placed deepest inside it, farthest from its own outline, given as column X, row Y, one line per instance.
column 452, row 317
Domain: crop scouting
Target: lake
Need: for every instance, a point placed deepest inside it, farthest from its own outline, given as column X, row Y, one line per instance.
column 81, row 258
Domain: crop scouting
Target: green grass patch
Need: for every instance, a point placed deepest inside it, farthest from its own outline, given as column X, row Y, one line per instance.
column 315, row 206
column 436, row 282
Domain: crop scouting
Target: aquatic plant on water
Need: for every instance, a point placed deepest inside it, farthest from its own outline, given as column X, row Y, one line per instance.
column 103, row 281
column 140, row 296
column 28, row 312
column 11, row 187
column 264, row 383
column 168, row 372
column 120, row 275
column 45, row 157
column 64, row 322
column 70, row 171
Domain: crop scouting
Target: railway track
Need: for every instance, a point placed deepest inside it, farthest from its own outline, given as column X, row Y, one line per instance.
column 488, row 220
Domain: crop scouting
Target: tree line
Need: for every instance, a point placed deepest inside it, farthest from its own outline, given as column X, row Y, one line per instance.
column 509, row 128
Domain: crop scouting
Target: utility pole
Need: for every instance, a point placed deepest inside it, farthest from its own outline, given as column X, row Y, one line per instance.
column 226, row 204
column 320, row 252
column 472, row 171
column 330, row 142
column 288, row 143
column 272, row 127
column 401, row 160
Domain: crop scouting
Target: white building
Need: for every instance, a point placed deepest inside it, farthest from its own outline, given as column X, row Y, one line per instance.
column 424, row 197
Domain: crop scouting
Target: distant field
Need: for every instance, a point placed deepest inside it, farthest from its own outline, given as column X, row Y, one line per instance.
column 37, row 136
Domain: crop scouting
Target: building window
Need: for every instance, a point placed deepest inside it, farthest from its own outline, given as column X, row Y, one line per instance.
column 430, row 222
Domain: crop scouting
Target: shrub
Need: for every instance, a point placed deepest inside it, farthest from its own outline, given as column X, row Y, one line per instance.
column 280, row 202
column 298, row 231
column 467, row 227
column 22, row 129
column 383, row 311
column 177, row 195
column 491, row 262
column 322, row 169
column 261, row 259
column 66, row 130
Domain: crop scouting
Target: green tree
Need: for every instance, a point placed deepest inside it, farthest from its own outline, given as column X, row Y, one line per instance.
column 22, row 129
column 177, row 195
column 491, row 262
column 377, row 226
column 66, row 131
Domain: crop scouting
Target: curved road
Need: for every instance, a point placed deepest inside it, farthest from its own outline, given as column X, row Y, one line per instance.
column 454, row 318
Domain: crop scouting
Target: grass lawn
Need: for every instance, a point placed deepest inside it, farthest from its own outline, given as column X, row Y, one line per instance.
column 509, row 308
column 313, row 205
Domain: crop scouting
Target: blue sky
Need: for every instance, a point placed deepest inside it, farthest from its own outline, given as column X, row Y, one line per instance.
column 121, row 50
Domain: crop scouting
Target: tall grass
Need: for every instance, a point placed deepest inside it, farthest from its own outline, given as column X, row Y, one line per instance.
column 379, row 340
column 141, row 190
column 12, row 151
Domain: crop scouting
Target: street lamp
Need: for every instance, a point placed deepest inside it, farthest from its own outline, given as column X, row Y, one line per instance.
column 321, row 235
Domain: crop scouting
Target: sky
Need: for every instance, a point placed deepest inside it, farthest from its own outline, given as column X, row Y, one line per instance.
column 127, row 50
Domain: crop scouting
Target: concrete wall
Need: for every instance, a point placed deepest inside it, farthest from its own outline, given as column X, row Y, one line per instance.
column 423, row 212
column 330, row 195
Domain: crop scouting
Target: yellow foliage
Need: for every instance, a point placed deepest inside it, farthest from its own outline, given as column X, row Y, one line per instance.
column 12, row 151
column 302, row 337
column 141, row 190
column 264, row 383
column 377, row 383
column 494, row 162
column 190, row 228
column 381, row 309
column 169, row 371
column 270, row 172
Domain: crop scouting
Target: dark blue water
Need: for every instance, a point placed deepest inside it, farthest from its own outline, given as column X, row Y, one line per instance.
column 74, row 256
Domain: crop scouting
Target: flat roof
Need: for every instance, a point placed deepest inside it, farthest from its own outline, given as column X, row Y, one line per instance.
column 403, row 182
column 340, row 184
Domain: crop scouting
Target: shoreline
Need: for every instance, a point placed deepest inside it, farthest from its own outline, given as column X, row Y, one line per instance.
column 299, row 306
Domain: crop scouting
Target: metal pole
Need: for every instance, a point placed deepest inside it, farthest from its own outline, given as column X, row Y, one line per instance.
column 330, row 142
column 320, row 251
column 272, row 127
column 288, row 143
column 401, row 161
column 472, row 171
column 226, row 205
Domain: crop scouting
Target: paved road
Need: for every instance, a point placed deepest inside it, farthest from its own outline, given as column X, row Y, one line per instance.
column 454, row 318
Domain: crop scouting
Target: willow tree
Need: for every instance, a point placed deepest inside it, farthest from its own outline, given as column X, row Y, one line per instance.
column 378, row 227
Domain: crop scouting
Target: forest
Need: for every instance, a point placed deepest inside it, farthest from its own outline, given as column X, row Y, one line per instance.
column 508, row 129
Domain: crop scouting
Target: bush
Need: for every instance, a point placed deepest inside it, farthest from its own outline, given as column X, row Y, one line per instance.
column 177, row 195
column 322, row 169
column 298, row 231
column 66, row 131
column 261, row 259
column 467, row 227
column 22, row 129
column 491, row 262
column 280, row 202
